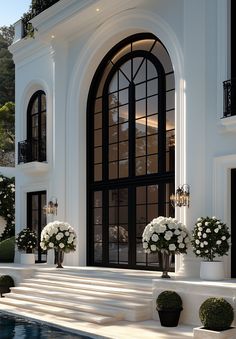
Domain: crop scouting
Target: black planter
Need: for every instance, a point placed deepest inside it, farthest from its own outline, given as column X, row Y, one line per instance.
column 169, row 318
column 4, row 289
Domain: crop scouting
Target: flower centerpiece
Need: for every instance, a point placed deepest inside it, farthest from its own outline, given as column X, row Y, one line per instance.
column 167, row 236
column 210, row 240
column 26, row 240
column 60, row 236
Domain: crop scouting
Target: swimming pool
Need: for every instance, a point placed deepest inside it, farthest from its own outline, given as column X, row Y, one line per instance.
column 14, row 327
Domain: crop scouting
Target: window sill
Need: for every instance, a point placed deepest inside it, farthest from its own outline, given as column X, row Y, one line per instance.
column 228, row 124
column 34, row 167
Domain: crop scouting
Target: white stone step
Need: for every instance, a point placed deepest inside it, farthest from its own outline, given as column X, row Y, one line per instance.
column 87, row 297
column 85, row 291
column 59, row 311
column 88, row 308
column 84, row 286
column 143, row 286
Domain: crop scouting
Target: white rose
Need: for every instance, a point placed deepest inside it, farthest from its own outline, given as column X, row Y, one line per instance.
column 198, row 252
column 177, row 232
column 199, row 219
column 199, row 224
column 218, row 242
column 153, row 248
column 155, row 237
column 206, row 223
column 216, row 230
column 181, row 245
column 202, row 245
column 145, row 245
column 148, row 251
column 200, row 229
column 197, row 242
column 67, row 233
column 206, row 251
column 51, row 244
column 58, row 237
column 162, row 228
column 224, row 237
column 180, row 239
column 199, row 234
column 205, row 243
column 208, row 230
column 61, row 245
column 204, row 235
column 172, row 247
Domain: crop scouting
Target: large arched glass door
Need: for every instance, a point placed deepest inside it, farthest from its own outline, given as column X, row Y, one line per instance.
column 131, row 144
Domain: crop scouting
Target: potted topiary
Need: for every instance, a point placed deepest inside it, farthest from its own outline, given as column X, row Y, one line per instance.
column 6, row 281
column 26, row 241
column 216, row 315
column 210, row 241
column 169, row 305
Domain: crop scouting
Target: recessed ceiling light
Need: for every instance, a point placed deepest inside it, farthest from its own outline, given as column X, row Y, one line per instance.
column 97, row 9
column 52, row 36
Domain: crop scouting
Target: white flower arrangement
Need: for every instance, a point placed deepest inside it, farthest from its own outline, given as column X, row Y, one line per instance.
column 210, row 238
column 164, row 234
column 59, row 235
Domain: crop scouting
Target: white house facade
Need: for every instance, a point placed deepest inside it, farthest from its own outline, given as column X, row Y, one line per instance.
column 117, row 104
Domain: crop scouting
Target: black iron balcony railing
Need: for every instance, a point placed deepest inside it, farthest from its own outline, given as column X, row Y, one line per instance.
column 229, row 97
column 31, row 150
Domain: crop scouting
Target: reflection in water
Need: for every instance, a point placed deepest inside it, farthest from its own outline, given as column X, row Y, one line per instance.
column 14, row 327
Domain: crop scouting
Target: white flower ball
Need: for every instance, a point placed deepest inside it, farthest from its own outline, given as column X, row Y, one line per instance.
column 61, row 245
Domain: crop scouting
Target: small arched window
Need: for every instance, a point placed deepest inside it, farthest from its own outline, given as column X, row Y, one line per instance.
column 36, row 126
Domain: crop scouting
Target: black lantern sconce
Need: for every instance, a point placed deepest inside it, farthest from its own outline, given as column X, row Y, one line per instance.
column 181, row 196
column 51, row 207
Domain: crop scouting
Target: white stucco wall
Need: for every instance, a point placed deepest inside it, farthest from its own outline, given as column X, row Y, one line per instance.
column 195, row 35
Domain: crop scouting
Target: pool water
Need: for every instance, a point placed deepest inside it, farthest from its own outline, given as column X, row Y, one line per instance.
column 14, row 327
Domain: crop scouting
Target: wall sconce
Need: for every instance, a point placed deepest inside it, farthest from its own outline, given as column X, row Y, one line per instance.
column 51, row 207
column 181, row 196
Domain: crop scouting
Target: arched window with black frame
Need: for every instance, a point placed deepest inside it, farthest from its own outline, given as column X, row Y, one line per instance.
column 131, row 150
column 34, row 147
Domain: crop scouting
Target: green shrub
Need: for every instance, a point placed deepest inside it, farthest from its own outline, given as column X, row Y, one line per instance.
column 216, row 314
column 169, row 300
column 7, row 250
column 6, row 281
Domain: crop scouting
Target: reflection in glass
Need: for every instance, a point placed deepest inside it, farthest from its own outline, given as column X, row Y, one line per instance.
column 152, row 105
column 97, row 172
column 98, row 199
column 152, row 164
column 140, row 166
column 113, row 170
column 123, row 169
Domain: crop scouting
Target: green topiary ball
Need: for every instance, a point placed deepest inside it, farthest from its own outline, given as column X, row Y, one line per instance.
column 169, row 300
column 6, row 281
column 216, row 314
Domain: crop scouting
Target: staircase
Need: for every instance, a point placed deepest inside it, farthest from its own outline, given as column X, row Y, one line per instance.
column 93, row 295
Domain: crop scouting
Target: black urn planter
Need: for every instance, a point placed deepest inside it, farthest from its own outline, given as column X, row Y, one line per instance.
column 169, row 318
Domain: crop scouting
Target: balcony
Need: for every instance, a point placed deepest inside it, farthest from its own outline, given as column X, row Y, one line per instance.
column 32, row 156
column 229, row 98
column 31, row 150
column 228, row 121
